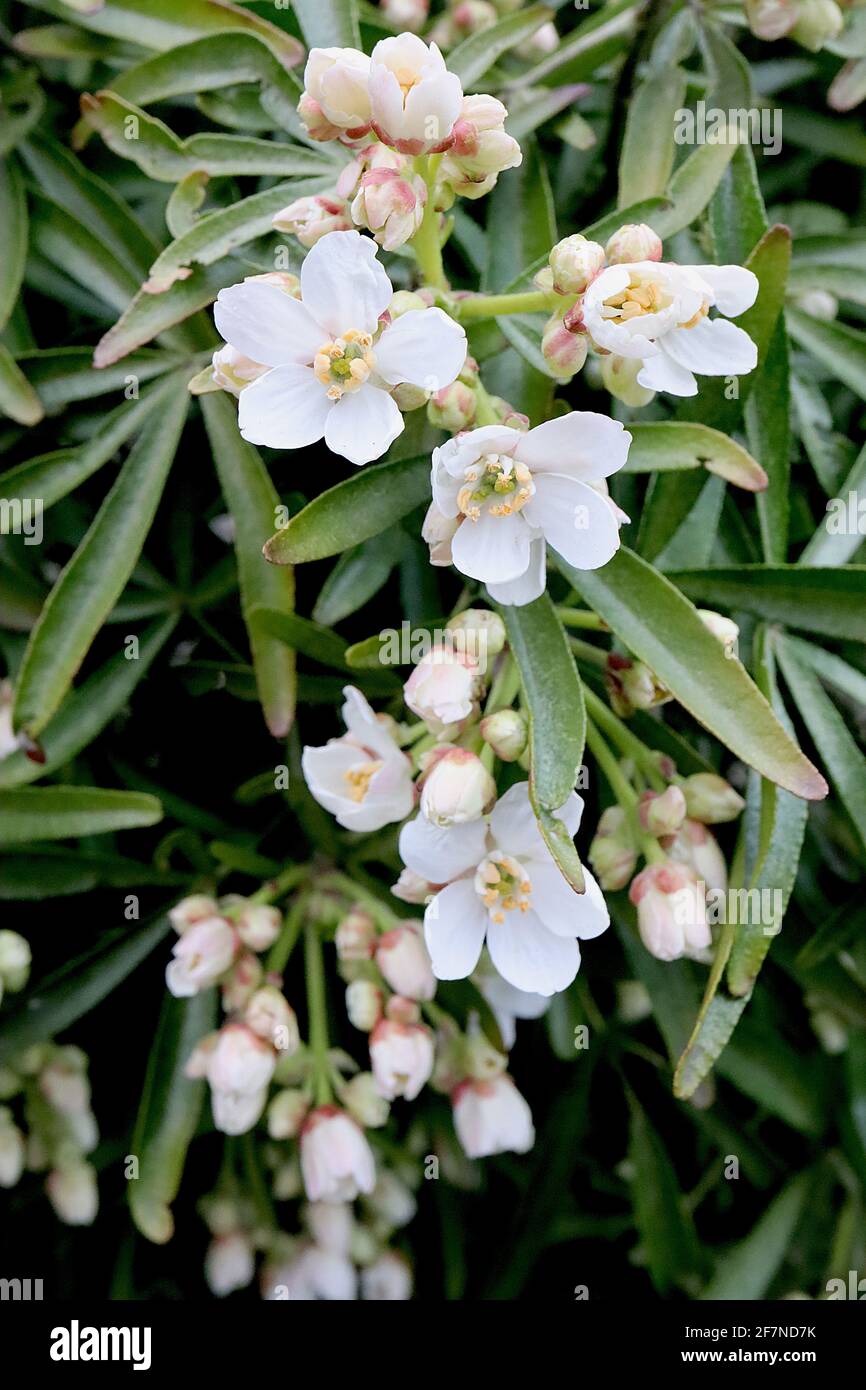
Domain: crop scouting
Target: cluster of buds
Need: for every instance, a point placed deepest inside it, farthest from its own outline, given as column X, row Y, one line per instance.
column 56, row 1130
column 218, row 943
column 632, row 685
column 462, row 18
column 490, row 1115
column 810, row 23
column 455, row 408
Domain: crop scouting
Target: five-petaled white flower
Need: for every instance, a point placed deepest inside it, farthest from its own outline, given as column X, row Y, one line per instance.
column 362, row 778
column 331, row 369
column 505, row 493
column 414, row 99
column 659, row 313
column 502, row 884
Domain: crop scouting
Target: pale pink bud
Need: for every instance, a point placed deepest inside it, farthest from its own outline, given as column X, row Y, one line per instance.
column 336, row 1160
column 337, row 80
column 725, row 629
column 364, row 1103
column 286, row 1114
column 271, row 1016
column 388, row 1279
column 709, row 798
column 662, row 813
column 563, row 351
column 612, row 854
column 772, row 19
column 472, row 16
column 403, row 959
column 241, row 982
column 458, row 789
column 258, row 926
column 401, row 1010
column 193, row 909
column 453, row 408
column 633, row 242
column 507, row 732
column 401, row 1056
column 443, row 689
column 406, row 14
column 671, row 911
column 355, row 936
column 64, row 1084
column 574, row 262
column 412, row 888
column 241, row 1062
column 73, row 1193
column 696, row 847
column 314, row 120
column 201, row 955
column 479, row 633
column 492, row 1117
column 390, row 205
column 311, row 218
column 229, row 1263
column 363, row 1004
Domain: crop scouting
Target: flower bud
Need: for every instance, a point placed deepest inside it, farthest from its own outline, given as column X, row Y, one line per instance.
column 695, row 846
column 633, row 242
column 613, row 854
column 363, row 1004
column 819, row 303
column 73, row 1193
column 846, row 91
column 444, row 688
column 453, row 408
column 544, row 41
column 481, row 148
column 481, row 1059
column 390, row 205
column 633, row 1001
column 311, row 218
column 725, row 629
column 314, row 120
column 12, row 1150
column 472, row 16
column 662, row 813
column 771, row 19
column 632, row 685
column 479, row 633
column 412, row 888
column 709, row 798
column 356, row 936
column 201, row 955
column 258, row 926
column 193, row 909
column 438, row 532
column 286, row 1114
column 336, row 1161
column 401, row 1056
column 671, row 911
column 563, row 351
column 506, row 732
column 241, row 982
column 458, row 789
column 241, row 1062
column 283, row 280
column 14, row 961
column 401, row 1010
column 64, row 1082
column 231, row 371
column 574, row 262
column 405, row 15
column 229, row 1264
column 271, row 1016
column 402, row 957
column 619, row 376
column 817, row 22
column 492, row 1117
column 404, row 301
column 364, row 1103
column 388, row 1279
column 408, row 397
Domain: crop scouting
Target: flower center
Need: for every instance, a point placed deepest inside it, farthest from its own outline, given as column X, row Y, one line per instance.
column 696, row 318
column 497, row 484
column 346, row 363
column 503, row 885
column 358, row 779
column 638, row 298
column 407, row 80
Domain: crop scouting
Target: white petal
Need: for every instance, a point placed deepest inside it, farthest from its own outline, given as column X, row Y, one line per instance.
column 493, row 548
column 662, row 373
column 360, row 719
column 363, row 425
column 734, row 287
column 287, row 408
column 526, row 587
column 442, row 853
column 529, row 956
column 266, row 324
column 424, row 347
column 513, row 824
column 456, row 455
column 581, row 445
column 343, row 284
column 563, row 911
column 714, row 347
column 576, row 520
column 454, row 926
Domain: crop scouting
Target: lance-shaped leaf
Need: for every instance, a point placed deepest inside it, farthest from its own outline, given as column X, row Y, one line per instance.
column 149, row 315
column 838, row 347
column 595, row 41
column 553, row 696
column 817, row 600
column 13, row 229
column 836, row 541
column 662, row 628
column 747, row 1269
column 664, row 1224
column 648, row 147
column 18, row 400
column 58, row 813
column 672, row 445
column 361, row 506
column 95, row 577
column 329, row 23
column 168, row 1114
column 357, row 576
column 62, row 375
column 476, row 55
column 252, row 500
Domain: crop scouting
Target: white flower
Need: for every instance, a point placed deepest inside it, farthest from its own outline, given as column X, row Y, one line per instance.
column 695, row 846
column 659, row 313
column 329, row 375
column 492, row 1117
column 511, row 491
column 362, row 778
column 443, row 689
column 337, row 80
column 671, row 911
column 201, row 955
column 404, row 962
column 239, row 1067
column 414, row 99
column 229, row 1263
column 401, row 1055
column 387, row 1280
column 503, row 884
column 458, row 788
column 73, row 1193
column 336, row 1160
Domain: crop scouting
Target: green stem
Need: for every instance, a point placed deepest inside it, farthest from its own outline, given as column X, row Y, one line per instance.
column 426, row 243
column 624, row 793
column 281, row 885
column 317, row 1010
column 285, row 943
column 341, row 883
column 585, row 651
column 490, row 306
column 485, row 410
column 582, row 617
column 629, row 744
column 255, row 1182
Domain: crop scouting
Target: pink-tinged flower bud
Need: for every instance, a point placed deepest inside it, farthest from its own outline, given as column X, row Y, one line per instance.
column 473, row 16
column 401, row 1056
column 401, row 1010
column 388, row 1279
column 443, row 689
column 258, row 926
column 64, row 1083
column 846, row 91
column 241, row 1062
column 633, row 242
column 481, row 148
column 575, row 262
column 695, row 846
column 414, row 99
column 563, row 351
column 355, row 937
column 818, row 21
column 479, row 633
column 506, row 732
column 772, row 19
column 438, row 532
column 725, row 629
column 314, row 120
column 283, row 280
column 229, row 1264
column 453, row 408
column 201, row 956
column 231, row 372
column 336, row 1160
column 458, row 789
column 613, row 853
column 662, row 813
column 241, row 983
column 337, row 81
column 412, row 888
column 390, row 205
column 270, row 1015
column 12, row 1150
column 619, row 376
column 709, row 798
column 364, row 1103
column 671, row 911
column 408, row 397
column 363, row 1004
column 405, row 15
column 404, row 301
column 193, row 909
column 402, row 957
column 197, row 1063
column 492, row 1117
column 311, row 218
column 73, row 1193
column 636, row 685
column 286, row 1114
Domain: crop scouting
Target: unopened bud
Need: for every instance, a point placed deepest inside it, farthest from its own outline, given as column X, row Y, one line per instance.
column 311, row 218
column 241, row 982
column 404, row 961
column 818, row 21
column 364, row 1103
column 481, row 1059
column 819, row 303
column 453, row 408
column 390, row 205
column 363, row 1004
column 271, row 1016
column 619, row 376
column 73, row 1193
column 258, row 926
column 725, row 629
column 506, row 732
column 190, row 910
column 457, row 789
column 633, row 242
column 671, row 911
column 771, row 19
column 694, row 845
column 315, row 122
column 613, row 854
column 563, row 351
column 662, row 813
column 479, row 633
column 412, row 888
column 355, row 936
column 408, row 397
column 574, row 262
column 405, row 15
column 14, row 961
column 710, row 799
column 286, row 1114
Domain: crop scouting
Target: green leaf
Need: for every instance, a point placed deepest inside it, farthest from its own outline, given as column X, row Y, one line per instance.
column 168, row 1114
column 329, row 23
column 95, row 577
column 472, row 58
column 67, row 243
column 826, row 135
column 667, row 1234
column 521, row 221
column 149, row 315
column 13, row 229
column 692, row 186
column 748, row 1268
column 252, row 500
column 62, row 375
column 595, row 41
column 661, row 627
column 18, row 400
column 647, row 157
column 671, row 445
column 553, row 696
column 357, row 576
column 359, row 507
column 58, row 813
column 768, row 430
column 817, row 600
column 841, row 349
